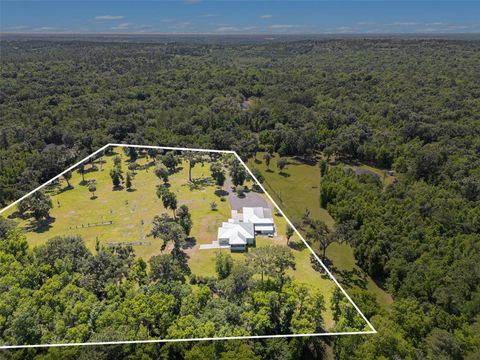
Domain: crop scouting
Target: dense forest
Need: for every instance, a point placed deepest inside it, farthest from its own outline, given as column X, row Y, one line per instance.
column 403, row 104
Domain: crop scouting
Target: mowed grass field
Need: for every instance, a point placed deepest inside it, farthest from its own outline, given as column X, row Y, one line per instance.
column 297, row 189
column 131, row 212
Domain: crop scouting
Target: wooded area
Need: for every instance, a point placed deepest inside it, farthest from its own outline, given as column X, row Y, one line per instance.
column 403, row 104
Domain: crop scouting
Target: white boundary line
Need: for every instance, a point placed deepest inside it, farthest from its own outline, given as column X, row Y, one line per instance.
column 372, row 331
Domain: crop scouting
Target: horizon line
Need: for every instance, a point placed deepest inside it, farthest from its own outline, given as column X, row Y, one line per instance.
column 231, row 33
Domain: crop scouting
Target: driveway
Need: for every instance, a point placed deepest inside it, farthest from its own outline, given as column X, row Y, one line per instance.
column 251, row 199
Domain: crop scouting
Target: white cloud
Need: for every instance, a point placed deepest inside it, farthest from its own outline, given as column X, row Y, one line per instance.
column 123, row 26
column 230, row 29
column 285, row 26
column 266, row 16
column 49, row 29
column 109, row 17
column 402, row 23
column 131, row 26
column 227, row 29
column 45, row 28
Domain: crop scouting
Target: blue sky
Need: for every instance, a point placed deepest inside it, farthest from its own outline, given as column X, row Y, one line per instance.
column 241, row 17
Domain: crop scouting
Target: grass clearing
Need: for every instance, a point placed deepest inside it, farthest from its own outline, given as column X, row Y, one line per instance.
column 299, row 188
column 131, row 212
column 296, row 189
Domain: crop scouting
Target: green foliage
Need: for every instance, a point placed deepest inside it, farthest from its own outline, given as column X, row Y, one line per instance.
column 6, row 225
column 165, row 268
column 161, row 172
column 170, row 161
column 185, row 219
column 289, row 233
column 281, row 163
column 218, row 173
column 117, row 177
column 345, row 315
column 240, row 190
column 132, row 153
column 37, row 205
column 92, row 188
column 223, row 264
column 129, row 181
column 323, row 167
column 267, row 157
column 14, row 243
column 167, row 229
column 273, row 261
column 237, row 173
column 258, row 175
column 320, row 234
column 169, row 199
column 68, row 176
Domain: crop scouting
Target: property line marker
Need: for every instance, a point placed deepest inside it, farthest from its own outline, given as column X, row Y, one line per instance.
column 365, row 332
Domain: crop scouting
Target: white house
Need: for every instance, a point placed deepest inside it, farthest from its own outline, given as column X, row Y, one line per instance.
column 237, row 235
column 241, row 228
column 260, row 217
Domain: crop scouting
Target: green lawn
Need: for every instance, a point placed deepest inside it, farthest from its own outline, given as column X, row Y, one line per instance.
column 299, row 188
column 296, row 189
column 130, row 211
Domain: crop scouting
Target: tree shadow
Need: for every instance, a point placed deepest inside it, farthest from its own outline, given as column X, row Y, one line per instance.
column 309, row 160
column 269, row 170
column 221, row 192
column 258, row 161
column 66, row 188
column 352, row 278
column 348, row 278
column 190, row 242
column 297, row 245
column 90, row 169
column 256, row 188
column 148, row 165
column 40, row 226
column 118, row 188
column 93, row 197
column 131, row 190
column 18, row 215
column 284, row 174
